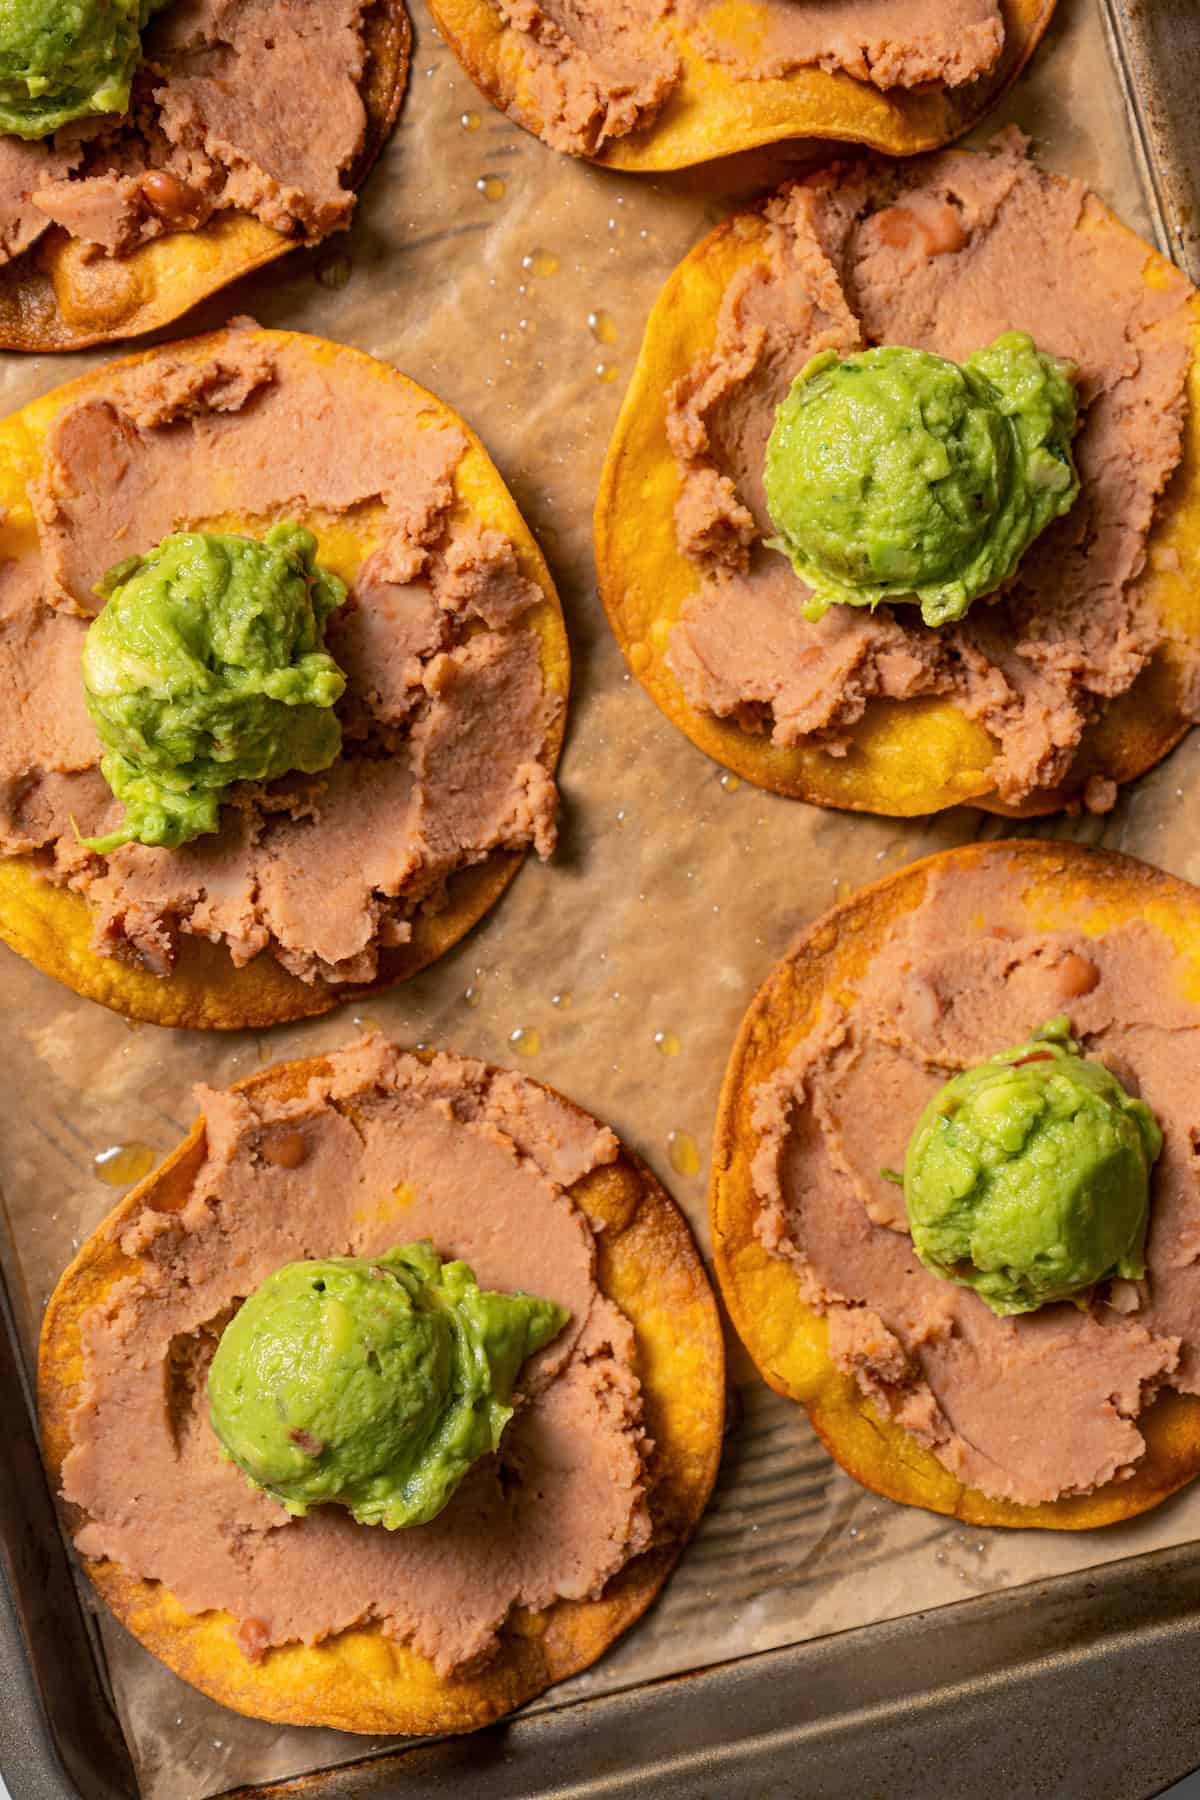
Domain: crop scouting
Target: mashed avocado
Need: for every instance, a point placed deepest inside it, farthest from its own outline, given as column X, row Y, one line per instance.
column 1028, row 1176
column 374, row 1385
column 207, row 667
column 895, row 475
column 67, row 59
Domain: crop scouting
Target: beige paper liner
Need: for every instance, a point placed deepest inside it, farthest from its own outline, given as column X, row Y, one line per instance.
column 667, row 904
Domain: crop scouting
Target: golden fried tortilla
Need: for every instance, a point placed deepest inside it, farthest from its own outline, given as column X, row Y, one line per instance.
column 711, row 113
column 904, row 757
column 60, row 296
column 1067, row 888
column 52, row 926
column 359, row 1680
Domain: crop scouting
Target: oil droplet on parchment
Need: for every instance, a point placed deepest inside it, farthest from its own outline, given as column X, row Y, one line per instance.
column 561, row 1000
column 603, row 327
column 667, row 1043
column 470, row 121
column 525, row 1040
column 542, row 263
column 472, row 995
column 123, row 1164
column 334, row 272
column 606, row 371
column 681, row 1148
column 492, row 187
column 731, row 782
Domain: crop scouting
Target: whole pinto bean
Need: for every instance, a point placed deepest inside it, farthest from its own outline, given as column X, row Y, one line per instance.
column 1076, row 976
column 175, row 203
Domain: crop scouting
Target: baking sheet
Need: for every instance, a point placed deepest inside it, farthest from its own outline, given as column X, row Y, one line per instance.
column 516, row 283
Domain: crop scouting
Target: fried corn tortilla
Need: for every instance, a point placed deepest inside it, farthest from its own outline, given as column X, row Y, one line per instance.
column 53, row 926
column 358, row 1679
column 61, row 296
column 712, row 113
column 902, row 757
column 1052, row 888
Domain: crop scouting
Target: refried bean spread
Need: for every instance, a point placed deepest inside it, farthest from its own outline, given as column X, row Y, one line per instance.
column 245, row 105
column 446, row 713
column 382, row 1148
column 599, row 72
column 944, row 994
column 943, row 254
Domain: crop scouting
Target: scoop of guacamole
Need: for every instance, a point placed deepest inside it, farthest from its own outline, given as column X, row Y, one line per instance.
column 67, row 59
column 896, row 475
column 371, row 1384
column 1027, row 1177
column 205, row 667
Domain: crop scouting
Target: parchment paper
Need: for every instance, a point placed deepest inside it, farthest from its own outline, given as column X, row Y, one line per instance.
column 671, row 897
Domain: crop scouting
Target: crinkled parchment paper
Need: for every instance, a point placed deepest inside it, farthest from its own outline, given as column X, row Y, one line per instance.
column 515, row 283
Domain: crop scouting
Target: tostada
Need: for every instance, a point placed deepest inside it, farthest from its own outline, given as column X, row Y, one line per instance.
column 662, row 84
column 285, row 677
column 954, row 1197
column 389, row 1399
column 152, row 151
column 901, row 509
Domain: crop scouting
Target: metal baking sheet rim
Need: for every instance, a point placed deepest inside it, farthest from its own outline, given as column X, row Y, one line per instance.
column 1078, row 1686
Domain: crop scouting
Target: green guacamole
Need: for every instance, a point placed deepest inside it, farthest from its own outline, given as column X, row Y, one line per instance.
column 371, row 1384
column 895, row 475
column 67, row 59
column 207, row 666
column 1027, row 1177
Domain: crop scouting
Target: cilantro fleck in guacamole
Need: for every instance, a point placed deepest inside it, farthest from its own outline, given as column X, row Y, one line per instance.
column 896, row 475
column 1027, row 1177
column 372, row 1384
column 207, row 666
